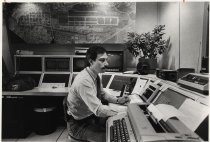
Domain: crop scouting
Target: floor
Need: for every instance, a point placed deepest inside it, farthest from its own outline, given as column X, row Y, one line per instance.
column 60, row 135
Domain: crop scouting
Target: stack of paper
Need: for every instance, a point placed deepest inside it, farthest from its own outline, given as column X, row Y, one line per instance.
column 191, row 113
column 164, row 111
column 195, row 113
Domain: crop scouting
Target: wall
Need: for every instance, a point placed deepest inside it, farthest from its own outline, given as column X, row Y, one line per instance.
column 184, row 25
column 169, row 15
column 146, row 16
column 191, row 28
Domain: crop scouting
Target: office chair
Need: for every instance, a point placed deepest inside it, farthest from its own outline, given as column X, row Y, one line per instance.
column 66, row 118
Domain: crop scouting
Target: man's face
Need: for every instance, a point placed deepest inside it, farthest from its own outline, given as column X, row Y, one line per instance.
column 100, row 64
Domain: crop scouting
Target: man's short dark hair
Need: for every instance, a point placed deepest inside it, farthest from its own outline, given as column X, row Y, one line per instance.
column 93, row 51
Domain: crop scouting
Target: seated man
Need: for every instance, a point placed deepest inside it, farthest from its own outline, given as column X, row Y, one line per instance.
column 86, row 97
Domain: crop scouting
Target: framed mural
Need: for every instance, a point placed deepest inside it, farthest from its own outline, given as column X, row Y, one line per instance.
column 63, row 23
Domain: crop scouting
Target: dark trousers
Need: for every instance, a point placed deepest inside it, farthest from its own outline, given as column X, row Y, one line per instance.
column 91, row 129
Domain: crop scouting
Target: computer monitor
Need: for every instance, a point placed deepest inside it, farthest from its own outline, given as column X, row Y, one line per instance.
column 79, row 63
column 57, row 64
column 28, row 64
column 105, row 79
column 56, row 78
column 119, row 80
column 115, row 61
column 170, row 97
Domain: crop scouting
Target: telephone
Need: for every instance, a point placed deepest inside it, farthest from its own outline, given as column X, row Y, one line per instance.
column 123, row 90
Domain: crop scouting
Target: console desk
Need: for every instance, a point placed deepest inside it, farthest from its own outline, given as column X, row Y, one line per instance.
column 38, row 91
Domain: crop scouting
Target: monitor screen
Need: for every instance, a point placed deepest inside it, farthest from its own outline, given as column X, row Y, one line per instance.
column 79, row 63
column 57, row 64
column 118, row 82
column 148, row 93
column 105, row 79
column 115, row 61
column 171, row 97
column 56, row 78
column 28, row 63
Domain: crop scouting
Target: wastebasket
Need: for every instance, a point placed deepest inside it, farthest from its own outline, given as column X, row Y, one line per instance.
column 44, row 120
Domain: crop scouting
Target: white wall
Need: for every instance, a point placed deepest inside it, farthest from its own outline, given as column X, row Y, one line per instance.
column 168, row 15
column 191, row 28
column 184, row 25
column 146, row 16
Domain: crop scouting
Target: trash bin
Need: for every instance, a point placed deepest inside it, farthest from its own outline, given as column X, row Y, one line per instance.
column 44, row 120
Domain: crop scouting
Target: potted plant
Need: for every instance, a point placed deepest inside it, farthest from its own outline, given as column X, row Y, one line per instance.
column 147, row 46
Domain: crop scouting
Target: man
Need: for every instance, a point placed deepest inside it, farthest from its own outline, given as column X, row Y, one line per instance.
column 85, row 99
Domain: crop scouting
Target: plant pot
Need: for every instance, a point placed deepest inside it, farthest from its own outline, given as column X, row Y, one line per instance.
column 146, row 66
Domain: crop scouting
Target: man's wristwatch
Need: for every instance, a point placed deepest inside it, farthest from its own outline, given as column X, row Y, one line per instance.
column 117, row 101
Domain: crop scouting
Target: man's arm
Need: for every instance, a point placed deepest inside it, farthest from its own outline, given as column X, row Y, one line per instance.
column 110, row 98
column 88, row 94
column 113, row 99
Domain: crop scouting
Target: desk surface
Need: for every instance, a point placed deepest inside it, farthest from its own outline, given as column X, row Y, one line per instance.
column 38, row 91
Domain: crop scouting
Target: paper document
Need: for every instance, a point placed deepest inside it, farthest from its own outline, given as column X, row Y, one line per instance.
column 164, row 111
column 195, row 113
column 140, row 83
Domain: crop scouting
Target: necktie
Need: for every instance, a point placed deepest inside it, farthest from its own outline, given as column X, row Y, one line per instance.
column 98, row 87
column 99, row 96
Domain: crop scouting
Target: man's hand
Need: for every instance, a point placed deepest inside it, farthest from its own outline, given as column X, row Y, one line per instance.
column 122, row 100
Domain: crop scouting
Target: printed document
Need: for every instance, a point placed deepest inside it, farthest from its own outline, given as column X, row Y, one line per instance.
column 164, row 111
column 195, row 113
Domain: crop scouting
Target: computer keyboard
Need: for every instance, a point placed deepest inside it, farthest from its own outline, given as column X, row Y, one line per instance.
column 53, row 85
column 119, row 131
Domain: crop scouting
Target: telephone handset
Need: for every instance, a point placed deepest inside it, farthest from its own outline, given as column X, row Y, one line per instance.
column 123, row 89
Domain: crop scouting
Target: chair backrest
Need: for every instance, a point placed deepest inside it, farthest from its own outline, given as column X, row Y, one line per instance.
column 65, row 108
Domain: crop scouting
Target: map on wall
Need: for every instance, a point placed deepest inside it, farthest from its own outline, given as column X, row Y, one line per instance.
column 73, row 22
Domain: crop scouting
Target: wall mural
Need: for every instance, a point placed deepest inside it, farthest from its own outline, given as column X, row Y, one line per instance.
column 73, row 22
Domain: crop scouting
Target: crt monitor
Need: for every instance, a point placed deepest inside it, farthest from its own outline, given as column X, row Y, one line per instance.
column 170, row 97
column 79, row 63
column 28, row 63
column 120, row 80
column 105, row 79
column 57, row 64
column 115, row 61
